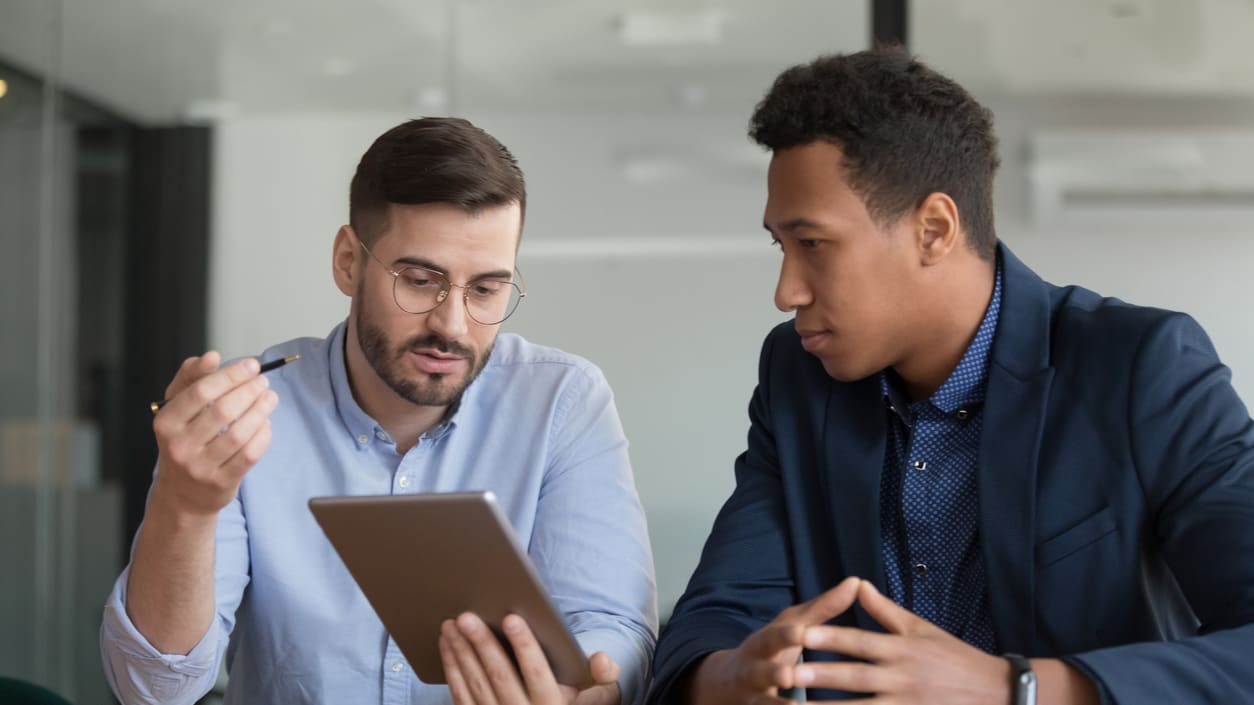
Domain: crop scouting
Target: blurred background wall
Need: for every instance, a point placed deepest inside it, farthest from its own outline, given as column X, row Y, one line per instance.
column 172, row 175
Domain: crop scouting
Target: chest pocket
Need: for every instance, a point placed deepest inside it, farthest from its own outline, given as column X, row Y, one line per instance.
column 1090, row 530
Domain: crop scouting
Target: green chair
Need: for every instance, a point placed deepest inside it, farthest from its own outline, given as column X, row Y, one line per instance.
column 16, row 692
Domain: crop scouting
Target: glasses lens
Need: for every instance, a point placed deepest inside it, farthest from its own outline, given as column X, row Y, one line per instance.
column 491, row 301
column 418, row 290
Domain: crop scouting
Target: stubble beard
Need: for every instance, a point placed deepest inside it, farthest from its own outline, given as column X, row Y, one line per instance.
column 430, row 389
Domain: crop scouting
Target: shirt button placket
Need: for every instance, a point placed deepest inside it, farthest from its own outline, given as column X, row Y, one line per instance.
column 395, row 676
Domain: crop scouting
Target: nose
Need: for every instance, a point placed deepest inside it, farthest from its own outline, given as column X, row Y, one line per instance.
column 448, row 320
column 791, row 292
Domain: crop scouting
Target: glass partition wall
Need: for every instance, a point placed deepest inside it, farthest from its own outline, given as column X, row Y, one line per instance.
column 63, row 185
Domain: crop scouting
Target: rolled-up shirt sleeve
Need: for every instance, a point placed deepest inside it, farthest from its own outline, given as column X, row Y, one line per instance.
column 140, row 674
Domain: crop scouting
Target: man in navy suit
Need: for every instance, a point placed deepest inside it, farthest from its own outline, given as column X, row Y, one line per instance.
column 962, row 484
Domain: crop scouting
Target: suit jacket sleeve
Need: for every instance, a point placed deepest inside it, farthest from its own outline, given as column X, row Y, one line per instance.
column 745, row 576
column 1193, row 447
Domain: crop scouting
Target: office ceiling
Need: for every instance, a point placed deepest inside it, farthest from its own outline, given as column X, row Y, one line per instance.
column 171, row 60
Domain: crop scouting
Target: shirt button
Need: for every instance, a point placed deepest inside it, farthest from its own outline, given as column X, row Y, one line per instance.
column 403, row 482
column 962, row 414
column 920, row 465
column 397, row 666
column 363, row 439
column 381, row 435
column 920, row 569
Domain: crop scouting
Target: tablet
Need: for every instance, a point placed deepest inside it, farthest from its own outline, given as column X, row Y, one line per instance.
column 421, row 559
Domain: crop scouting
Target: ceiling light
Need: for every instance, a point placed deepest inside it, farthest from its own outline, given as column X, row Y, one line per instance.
column 4, row 87
column 671, row 28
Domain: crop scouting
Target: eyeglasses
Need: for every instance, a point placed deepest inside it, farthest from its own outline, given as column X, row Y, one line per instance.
column 489, row 301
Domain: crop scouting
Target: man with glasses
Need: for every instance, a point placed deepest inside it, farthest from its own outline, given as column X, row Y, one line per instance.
column 417, row 391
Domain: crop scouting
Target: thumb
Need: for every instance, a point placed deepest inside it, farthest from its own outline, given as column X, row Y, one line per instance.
column 604, row 669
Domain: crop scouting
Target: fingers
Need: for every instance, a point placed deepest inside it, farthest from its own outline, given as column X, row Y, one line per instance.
column 890, row 615
column 830, row 604
column 223, row 410
column 775, row 637
column 852, row 677
column 453, row 674
column 192, row 369
column 187, row 405
column 532, row 664
column 763, row 675
column 502, row 678
column 240, row 424
column 477, row 688
column 212, row 390
column 233, row 470
column 852, row 642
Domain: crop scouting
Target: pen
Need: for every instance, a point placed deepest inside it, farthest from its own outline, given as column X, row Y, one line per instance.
column 265, row 367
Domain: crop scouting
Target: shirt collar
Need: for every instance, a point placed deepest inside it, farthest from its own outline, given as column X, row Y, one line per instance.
column 362, row 426
column 967, row 383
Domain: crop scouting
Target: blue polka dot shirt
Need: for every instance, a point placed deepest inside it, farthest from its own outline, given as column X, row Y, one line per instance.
column 929, row 503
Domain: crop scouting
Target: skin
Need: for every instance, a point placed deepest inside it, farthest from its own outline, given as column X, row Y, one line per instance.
column 405, row 370
column 867, row 295
column 433, row 355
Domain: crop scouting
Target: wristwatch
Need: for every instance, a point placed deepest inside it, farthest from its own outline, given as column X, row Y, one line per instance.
column 1023, row 679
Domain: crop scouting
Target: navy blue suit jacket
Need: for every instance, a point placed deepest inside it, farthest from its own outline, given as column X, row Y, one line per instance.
column 1116, row 498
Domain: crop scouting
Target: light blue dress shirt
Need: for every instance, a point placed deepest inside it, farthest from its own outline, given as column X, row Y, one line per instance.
column 538, row 427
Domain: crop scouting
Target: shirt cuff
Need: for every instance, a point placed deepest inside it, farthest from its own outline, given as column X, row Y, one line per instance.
column 134, row 666
column 631, row 655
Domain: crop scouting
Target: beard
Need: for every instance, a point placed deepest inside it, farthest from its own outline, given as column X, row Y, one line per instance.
column 428, row 389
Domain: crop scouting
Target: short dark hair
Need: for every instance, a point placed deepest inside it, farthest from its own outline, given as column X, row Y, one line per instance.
column 432, row 160
column 905, row 130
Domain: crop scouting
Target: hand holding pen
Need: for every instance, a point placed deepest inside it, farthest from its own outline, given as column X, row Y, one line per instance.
column 265, row 367
column 213, row 427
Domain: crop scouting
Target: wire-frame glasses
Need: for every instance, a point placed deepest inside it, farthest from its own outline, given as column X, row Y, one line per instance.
column 489, row 300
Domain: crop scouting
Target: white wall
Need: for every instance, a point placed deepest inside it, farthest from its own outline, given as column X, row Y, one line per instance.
column 666, row 286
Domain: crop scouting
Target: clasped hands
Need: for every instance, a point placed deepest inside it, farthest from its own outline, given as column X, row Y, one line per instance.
column 914, row 662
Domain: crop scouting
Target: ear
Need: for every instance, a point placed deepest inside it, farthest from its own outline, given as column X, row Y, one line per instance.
column 344, row 256
column 938, row 228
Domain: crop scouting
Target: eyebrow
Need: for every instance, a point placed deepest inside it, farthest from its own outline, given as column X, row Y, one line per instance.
column 428, row 264
column 791, row 226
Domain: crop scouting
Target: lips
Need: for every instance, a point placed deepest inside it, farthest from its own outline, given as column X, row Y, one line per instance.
column 812, row 340
column 436, row 362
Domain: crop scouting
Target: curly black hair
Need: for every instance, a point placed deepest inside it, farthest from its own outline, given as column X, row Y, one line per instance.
column 905, row 132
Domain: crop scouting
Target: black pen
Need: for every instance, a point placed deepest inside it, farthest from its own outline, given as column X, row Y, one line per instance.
column 265, row 367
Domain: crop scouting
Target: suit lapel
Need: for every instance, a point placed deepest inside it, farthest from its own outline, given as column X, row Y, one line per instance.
column 1014, row 419
column 854, row 436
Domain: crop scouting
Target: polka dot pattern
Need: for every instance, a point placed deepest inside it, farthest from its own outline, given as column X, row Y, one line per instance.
column 929, row 502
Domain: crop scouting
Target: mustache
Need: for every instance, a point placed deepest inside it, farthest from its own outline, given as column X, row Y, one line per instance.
column 434, row 341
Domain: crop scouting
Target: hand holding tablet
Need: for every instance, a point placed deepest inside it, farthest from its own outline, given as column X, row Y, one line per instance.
column 422, row 560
